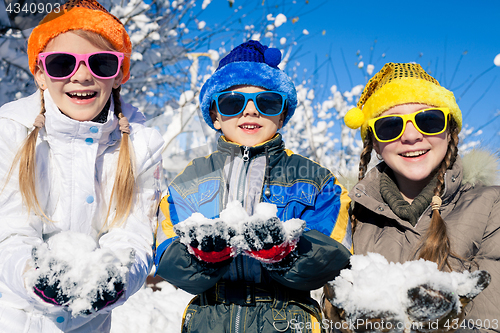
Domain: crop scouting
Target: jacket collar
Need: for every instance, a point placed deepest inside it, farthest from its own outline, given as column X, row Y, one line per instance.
column 274, row 145
column 367, row 191
column 61, row 127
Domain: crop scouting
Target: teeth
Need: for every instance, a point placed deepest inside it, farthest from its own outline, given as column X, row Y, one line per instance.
column 414, row 153
column 78, row 94
column 249, row 126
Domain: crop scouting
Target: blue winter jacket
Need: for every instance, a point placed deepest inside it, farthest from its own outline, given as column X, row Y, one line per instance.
column 299, row 187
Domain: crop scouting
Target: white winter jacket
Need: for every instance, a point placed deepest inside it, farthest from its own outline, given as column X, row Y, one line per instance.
column 76, row 163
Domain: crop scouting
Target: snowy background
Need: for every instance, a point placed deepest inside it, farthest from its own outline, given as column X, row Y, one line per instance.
column 177, row 45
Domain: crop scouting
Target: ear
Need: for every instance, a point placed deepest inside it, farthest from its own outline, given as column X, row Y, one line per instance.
column 40, row 78
column 282, row 118
column 214, row 115
column 217, row 125
column 118, row 79
column 280, row 124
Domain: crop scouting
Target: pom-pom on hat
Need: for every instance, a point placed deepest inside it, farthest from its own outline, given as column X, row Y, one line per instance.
column 86, row 15
column 397, row 84
column 250, row 63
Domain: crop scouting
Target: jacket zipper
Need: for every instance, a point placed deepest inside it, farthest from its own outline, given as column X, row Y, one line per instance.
column 240, row 198
column 237, row 319
column 244, row 169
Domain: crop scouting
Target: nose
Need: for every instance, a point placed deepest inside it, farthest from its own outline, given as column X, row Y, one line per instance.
column 82, row 74
column 250, row 109
column 411, row 134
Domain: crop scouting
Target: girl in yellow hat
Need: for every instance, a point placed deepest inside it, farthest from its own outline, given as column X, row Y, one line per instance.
column 421, row 201
column 75, row 158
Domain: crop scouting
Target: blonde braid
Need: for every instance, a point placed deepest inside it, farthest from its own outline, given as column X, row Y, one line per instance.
column 26, row 158
column 123, row 191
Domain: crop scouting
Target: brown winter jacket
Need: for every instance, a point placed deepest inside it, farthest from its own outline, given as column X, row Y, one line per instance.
column 471, row 212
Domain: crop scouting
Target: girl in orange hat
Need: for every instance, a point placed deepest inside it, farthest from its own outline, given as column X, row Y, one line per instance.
column 75, row 158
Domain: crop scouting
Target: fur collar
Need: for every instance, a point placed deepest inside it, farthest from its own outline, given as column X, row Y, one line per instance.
column 480, row 167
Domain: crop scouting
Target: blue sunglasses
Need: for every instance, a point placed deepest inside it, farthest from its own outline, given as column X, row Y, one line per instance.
column 232, row 103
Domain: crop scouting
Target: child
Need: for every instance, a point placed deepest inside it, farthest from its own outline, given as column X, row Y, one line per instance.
column 248, row 99
column 75, row 158
column 421, row 202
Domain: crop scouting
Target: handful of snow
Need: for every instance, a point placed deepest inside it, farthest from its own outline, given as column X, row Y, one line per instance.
column 415, row 291
column 82, row 271
column 239, row 231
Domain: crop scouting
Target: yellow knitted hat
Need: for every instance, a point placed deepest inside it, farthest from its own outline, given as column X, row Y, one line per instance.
column 86, row 15
column 397, row 84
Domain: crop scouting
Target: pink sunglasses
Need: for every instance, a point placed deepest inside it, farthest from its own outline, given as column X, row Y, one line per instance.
column 62, row 65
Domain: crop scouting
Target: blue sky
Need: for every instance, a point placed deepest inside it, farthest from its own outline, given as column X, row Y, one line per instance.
column 437, row 34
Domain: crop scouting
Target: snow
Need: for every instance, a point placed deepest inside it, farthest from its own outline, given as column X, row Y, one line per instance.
column 201, row 25
column 234, row 224
column 151, row 311
column 280, row 19
column 369, row 69
column 374, row 285
column 496, row 61
column 205, row 3
column 70, row 258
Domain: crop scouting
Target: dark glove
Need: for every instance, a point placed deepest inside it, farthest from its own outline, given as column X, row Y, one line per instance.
column 113, row 289
column 50, row 292
column 439, row 311
column 48, row 286
column 268, row 241
column 207, row 242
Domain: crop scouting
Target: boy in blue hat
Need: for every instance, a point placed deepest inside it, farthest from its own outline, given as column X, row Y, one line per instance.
column 254, row 276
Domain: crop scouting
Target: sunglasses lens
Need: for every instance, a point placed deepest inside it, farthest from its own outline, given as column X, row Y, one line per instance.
column 104, row 64
column 231, row 103
column 270, row 103
column 431, row 121
column 60, row 64
column 388, row 128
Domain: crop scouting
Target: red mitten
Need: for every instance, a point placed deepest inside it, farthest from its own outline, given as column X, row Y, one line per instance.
column 208, row 240
column 270, row 241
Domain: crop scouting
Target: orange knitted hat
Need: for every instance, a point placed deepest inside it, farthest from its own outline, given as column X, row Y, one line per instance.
column 86, row 15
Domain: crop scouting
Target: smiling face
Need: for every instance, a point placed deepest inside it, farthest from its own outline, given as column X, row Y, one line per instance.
column 249, row 128
column 414, row 157
column 81, row 96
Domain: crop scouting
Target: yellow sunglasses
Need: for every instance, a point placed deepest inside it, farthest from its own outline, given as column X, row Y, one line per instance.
column 389, row 128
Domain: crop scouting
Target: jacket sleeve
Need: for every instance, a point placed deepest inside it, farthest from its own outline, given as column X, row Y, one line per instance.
column 319, row 259
column 137, row 232
column 173, row 261
column 19, row 230
column 485, row 308
column 183, row 270
column 325, row 247
column 330, row 213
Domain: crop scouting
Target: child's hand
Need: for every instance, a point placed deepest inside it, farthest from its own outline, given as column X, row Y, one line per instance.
column 271, row 240
column 209, row 242
column 71, row 271
column 429, row 306
column 48, row 288
column 111, row 294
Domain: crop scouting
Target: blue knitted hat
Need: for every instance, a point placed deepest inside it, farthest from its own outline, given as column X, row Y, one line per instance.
column 250, row 63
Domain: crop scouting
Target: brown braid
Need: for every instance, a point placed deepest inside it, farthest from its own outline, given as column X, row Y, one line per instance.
column 435, row 245
column 366, row 156
column 123, row 191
